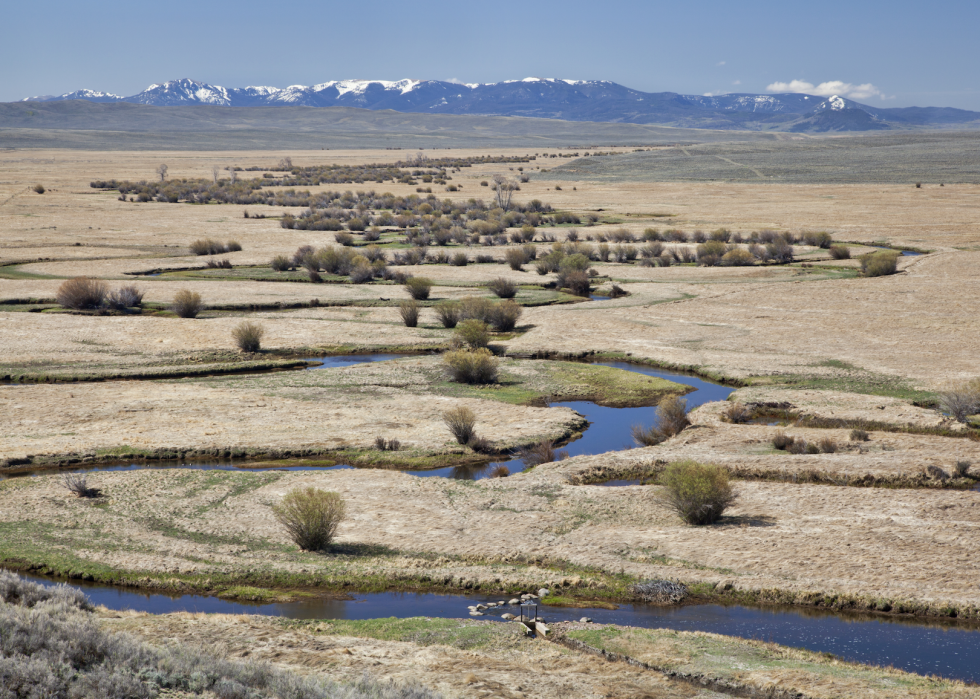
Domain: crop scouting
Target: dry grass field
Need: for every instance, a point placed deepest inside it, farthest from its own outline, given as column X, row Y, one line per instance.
column 813, row 339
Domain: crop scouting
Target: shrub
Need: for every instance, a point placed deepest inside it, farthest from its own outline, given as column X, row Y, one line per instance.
column 362, row 273
column 126, row 297
column 219, row 264
column 459, row 259
column 672, row 415
column 780, row 250
column 879, row 264
column 418, row 287
column 461, row 422
column 504, row 288
column 382, row 444
column 671, row 420
column 481, row 445
column 959, row 402
column 477, row 366
column 710, row 252
column 476, row 307
column 504, row 315
column 840, row 252
column 208, row 246
column 699, row 493
column 541, row 453
column 827, row 445
column 345, row 239
column 739, row 257
column 248, row 336
column 311, row 516
column 737, row 413
column 77, row 486
column 962, row 468
column 449, row 313
column 233, row 246
column 39, row 188
column 801, row 446
column 303, row 252
column 473, row 332
column 515, row 258
column 82, row 293
column 500, row 471
column 576, row 282
column 859, row 436
column 280, row 263
column 186, row 304
column 783, row 441
column 409, row 311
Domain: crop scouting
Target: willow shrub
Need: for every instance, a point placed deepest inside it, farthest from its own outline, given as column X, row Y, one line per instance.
column 698, row 492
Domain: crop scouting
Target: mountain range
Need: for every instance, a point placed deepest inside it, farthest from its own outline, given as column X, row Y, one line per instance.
column 572, row 100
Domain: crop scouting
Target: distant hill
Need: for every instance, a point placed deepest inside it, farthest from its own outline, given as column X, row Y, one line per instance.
column 569, row 100
column 124, row 126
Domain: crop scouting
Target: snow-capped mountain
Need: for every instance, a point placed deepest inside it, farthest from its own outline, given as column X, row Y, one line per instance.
column 574, row 100
column 90, row 95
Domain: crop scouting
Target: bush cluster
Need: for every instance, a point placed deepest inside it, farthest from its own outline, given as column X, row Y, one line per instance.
column 879, row 264
column 208, row 246
column 310, row 516
column 84, row 293
column 462, row 423
column 186, row 304
column 473, row 366
column 248, row 336
column 543, row 452
column 699, row 493
column 961, row 401
column 409, row 311
column 671, row 420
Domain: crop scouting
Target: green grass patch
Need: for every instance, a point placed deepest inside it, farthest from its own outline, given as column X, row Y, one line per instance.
column 422, row 631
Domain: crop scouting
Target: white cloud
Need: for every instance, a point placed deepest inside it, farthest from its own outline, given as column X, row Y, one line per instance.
column 737, row 82
column 828, row 89
column 720, row 63
column 715, row 94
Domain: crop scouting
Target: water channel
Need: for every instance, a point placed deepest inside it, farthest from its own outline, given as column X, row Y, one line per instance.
column 945, row 649
column 609, row 428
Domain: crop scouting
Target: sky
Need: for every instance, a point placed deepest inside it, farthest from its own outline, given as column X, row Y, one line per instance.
column 890, row 54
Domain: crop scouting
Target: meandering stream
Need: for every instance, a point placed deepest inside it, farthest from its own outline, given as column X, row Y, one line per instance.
column 945, row 649
column 609, row 428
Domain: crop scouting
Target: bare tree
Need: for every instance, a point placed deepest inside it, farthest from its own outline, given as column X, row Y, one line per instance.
column 421, row 157
column 215, row 173
column 504, row 191
column 162, row 171
column 286, row 163
column 233, row 173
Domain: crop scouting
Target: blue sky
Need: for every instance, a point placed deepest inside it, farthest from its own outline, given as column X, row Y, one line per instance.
column 896, row 53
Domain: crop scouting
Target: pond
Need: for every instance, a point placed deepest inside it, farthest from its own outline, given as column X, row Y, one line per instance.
column 945, row 649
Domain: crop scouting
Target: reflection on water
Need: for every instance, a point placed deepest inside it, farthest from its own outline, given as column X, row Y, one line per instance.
column 345, row 360
column 944, row 649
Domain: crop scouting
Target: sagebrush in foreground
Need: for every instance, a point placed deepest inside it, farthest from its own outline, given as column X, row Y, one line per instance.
column 311, row 516
column 699, row 493
column 52, row 647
